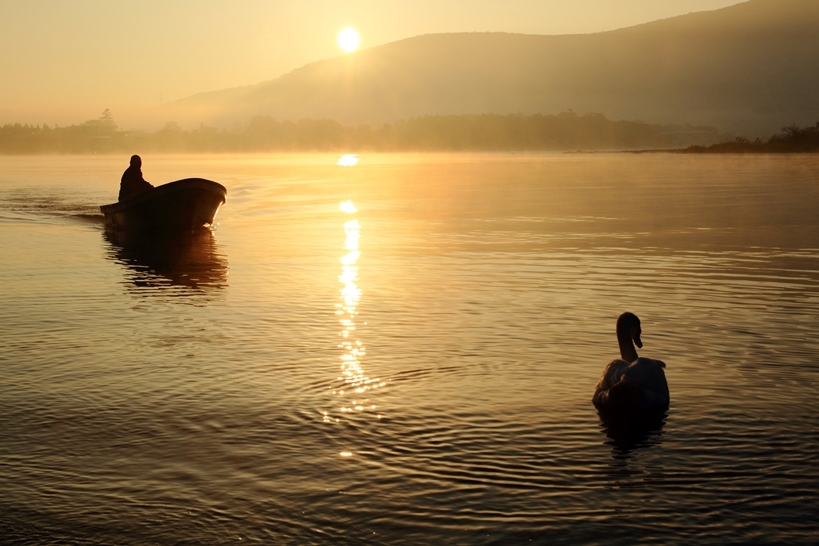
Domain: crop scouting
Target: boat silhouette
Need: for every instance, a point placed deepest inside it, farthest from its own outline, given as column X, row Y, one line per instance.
column 176, row 207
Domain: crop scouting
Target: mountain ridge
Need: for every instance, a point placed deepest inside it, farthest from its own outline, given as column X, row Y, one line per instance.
column 744, row 68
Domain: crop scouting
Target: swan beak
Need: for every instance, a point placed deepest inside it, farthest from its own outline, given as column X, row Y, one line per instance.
column 638, row 342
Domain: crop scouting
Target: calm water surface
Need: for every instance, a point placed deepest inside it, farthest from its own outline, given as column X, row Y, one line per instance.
column 403, row 352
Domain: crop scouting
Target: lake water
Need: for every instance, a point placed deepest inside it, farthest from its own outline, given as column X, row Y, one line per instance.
column 404, row 351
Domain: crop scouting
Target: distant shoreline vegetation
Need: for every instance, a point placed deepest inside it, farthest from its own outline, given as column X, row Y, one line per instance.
column 567, row 131
column 791, row 139
column 489, row 132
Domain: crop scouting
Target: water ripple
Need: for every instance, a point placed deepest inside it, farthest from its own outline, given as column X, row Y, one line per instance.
column 191, row 391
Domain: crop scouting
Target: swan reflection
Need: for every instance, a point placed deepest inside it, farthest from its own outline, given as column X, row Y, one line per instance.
column 352, row 384
column 626, row 436
column 187, row 264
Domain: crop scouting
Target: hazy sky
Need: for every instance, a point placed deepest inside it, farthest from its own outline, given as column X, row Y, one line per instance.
column 64, row 61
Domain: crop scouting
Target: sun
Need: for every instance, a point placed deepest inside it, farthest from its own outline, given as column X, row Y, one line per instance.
column 348, row 40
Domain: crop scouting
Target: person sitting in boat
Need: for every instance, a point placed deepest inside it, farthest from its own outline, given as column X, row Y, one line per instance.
column 132, row 182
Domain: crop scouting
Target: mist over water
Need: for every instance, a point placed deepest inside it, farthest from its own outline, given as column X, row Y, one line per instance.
column 402, row 349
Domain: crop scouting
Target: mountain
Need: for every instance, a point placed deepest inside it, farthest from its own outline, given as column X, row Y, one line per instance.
column 751, row 68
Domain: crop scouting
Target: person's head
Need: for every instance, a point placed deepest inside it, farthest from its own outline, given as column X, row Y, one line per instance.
column 136, row 161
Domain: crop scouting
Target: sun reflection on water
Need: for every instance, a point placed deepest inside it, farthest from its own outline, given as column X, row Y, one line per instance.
column 348, row 160
column 353, row 384
column 347, row 206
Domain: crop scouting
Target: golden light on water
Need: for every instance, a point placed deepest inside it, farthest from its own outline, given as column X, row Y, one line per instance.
column 348, row 207
column 354, row 382
column 347, row 160
column 348, row 40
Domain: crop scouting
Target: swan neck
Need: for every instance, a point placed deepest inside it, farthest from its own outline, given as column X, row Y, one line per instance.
column 627, row 350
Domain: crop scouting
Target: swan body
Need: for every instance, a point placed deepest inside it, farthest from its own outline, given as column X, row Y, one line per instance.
column 631, row 385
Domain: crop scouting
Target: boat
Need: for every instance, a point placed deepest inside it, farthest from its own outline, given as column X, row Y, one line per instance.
column 187, row 205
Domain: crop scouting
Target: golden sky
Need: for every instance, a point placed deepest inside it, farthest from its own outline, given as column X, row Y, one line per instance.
column 65, row 61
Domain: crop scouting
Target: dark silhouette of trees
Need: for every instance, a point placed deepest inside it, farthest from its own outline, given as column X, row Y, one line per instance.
column 791, row 139
column 518, row 132
column 488, row 132
column 96, row 135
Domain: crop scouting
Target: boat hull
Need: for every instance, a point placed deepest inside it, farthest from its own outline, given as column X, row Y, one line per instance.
column 187, row 205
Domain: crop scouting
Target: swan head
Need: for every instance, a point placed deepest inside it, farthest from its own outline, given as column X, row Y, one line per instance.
column 628, row 329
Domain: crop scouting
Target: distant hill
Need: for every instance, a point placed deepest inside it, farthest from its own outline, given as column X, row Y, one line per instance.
column 751, row 68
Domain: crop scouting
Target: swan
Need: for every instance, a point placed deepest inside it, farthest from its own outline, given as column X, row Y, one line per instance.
column 631, row 385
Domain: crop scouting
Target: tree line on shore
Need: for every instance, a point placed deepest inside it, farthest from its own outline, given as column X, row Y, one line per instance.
column 790, row 139
column 489, row 132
